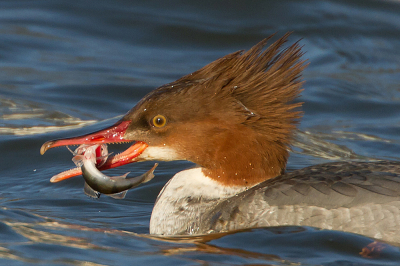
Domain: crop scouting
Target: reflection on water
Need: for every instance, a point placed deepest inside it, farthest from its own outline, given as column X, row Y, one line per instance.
column 226, row 246
column 55, row 233
column 70, row 123
column 71, row 68
column 27, row 118
column 318, row 145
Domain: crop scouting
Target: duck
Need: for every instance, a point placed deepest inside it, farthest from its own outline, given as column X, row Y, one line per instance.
column 235, row 119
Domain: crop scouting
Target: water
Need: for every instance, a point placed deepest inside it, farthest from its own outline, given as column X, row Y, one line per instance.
column 68, row 68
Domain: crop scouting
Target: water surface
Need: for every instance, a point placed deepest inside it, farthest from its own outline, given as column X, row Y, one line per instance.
column 72, row 68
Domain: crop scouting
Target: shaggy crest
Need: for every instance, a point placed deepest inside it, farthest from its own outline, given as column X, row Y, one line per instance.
column 261, row 85
column 234, row 108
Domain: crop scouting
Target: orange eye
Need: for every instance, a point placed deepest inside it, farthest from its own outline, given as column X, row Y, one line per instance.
column 159, row 121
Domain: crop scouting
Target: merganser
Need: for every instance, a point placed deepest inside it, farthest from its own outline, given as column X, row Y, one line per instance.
column 235, row 119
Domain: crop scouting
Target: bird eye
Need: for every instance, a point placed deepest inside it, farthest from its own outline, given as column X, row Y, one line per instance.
column 159, row 121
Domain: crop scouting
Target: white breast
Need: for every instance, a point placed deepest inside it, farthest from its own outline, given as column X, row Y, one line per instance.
column 184, row 199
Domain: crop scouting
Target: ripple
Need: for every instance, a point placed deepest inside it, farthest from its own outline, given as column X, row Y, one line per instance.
column 316, row 145
column 26, row 118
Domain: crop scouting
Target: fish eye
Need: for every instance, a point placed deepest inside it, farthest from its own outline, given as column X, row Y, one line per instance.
column 159, row 121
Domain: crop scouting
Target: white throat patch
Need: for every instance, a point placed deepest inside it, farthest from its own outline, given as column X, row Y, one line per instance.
column 159, row 154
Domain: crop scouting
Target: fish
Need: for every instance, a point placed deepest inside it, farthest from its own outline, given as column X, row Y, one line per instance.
column 89, row 157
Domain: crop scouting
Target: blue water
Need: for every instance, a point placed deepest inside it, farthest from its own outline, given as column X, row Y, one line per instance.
column 72, row 67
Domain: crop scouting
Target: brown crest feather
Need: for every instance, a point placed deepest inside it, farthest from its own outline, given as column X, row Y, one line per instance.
column 238, row 112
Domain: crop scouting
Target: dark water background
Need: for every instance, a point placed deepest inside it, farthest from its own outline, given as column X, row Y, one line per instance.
column 71, row 67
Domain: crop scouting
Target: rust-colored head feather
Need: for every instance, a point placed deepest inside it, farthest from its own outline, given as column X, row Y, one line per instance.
column 237, row 113
column 261, row 85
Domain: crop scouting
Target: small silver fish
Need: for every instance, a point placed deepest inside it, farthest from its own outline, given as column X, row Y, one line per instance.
column 88, row 156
